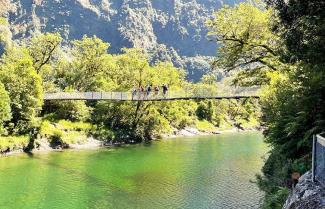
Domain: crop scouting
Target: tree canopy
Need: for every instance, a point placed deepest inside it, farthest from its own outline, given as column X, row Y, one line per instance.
column 282, row 48
column 246, row 42
column 24, row 87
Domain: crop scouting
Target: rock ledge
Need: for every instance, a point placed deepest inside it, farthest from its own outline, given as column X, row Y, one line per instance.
column 306, row 195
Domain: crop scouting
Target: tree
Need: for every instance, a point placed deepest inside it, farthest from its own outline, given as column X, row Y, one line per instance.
column 285, row 44
column 205, row 111
column 42, row 48
column 88, row 61
column 301, row 25
column 5, row 35
column 245, row 41
column 24, row 87
column 5, row 112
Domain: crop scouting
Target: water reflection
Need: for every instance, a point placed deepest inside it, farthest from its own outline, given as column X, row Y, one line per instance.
column 199, row 172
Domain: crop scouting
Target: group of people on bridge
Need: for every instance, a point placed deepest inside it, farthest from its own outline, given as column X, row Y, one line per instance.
column 145, row 93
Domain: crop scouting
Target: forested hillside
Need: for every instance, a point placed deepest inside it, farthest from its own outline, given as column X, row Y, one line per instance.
column 171, row 30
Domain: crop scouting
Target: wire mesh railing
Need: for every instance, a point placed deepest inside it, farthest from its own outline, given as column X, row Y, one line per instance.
column 131, row 96
column 319, row 159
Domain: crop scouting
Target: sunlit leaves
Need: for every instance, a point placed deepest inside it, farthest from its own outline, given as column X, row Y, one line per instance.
column 42, row 48
column 5, row 111
column 24, row 87
column 245, row 39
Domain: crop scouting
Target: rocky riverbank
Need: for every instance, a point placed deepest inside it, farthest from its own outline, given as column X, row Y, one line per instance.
column 190, row 131
column 306, row 195
column 42, row 145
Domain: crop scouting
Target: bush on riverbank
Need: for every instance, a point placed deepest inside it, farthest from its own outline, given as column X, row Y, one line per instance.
column 205, row 126
column 63, row 132
column 12, row 143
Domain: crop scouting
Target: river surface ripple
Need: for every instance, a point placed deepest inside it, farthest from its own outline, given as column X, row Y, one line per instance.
column 196, row 172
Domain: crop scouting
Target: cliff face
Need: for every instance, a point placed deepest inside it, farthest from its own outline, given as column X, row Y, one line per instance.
column 172, row 30
column 306, row 195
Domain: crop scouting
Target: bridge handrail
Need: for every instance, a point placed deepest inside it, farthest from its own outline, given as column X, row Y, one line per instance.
column 139, row 96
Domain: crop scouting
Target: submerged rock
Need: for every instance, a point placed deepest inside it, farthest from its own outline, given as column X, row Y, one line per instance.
column 306, row 195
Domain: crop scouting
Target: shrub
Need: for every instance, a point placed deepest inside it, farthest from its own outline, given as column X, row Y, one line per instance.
column 63, row 133
column 5, row 114
column 203, row 125
column 69, row 110
column 13, row 143
column 275, row 200
column 205, row 111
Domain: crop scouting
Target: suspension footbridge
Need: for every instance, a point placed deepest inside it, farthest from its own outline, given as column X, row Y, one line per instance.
column 144, row 96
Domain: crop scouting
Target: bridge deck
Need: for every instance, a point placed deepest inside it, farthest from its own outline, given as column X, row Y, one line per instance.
column 125, row 96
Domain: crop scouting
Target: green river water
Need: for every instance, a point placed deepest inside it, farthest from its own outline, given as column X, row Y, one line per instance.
column 195, row 172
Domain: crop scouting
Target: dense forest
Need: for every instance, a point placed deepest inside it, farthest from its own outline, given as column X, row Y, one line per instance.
column 279, row 46
column 44, row 64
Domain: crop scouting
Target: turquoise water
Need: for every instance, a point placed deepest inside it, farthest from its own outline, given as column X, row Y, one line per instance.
column 198, row 172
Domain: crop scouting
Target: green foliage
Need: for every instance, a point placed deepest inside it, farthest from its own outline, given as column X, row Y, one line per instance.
column 42, row 48
column 301, row 25
column 3, row 21
column 63, row 133
column 89, row 62
column 5, row 112
column 13, row 143
column 24, row 87
column 287, row 39
column 5, row 35
column 203, row 125
column 246, row 42
column 205, row 111
column 180, row 114
column 72, row 110
column 87, row 66
column 276, row 200
column 68, row 110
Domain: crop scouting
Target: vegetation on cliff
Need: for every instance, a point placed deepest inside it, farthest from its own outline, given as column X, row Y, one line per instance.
column 280, row 48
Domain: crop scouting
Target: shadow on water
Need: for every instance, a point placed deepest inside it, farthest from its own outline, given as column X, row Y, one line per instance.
column 147, row 144
column 76, row 173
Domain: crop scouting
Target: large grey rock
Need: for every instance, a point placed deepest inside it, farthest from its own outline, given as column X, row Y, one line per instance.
column 306, row 195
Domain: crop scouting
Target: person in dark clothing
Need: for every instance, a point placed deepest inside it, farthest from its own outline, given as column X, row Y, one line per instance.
column 134, row 92
column 149, row 88
column 165, row 89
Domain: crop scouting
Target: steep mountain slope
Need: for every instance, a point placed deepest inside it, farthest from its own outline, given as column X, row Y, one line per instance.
column 169, row 29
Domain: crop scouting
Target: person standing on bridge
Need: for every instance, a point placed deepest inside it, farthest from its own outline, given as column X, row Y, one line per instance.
column 165, row 90
column 156, row 91
column 149, row 88
column 141, row 92
column 134, row 92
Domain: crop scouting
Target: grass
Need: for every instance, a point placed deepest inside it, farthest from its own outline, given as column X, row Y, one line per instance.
column 11, row 143
column 65, row 132
column 252, row 123
column 203, row 125
column 74, row 137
